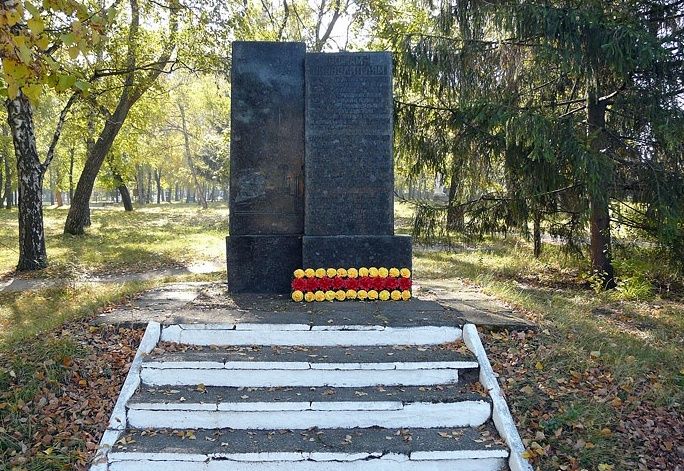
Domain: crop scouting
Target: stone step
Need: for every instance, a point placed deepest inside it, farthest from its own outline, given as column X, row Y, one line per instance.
column 448, row 405
column 307, row 334
column 356, row 449
column 269, row 366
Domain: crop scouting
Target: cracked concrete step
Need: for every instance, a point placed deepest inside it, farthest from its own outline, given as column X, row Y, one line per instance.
column 356, row 449
column 447, row 405
column 247, row 333
column 271, row 366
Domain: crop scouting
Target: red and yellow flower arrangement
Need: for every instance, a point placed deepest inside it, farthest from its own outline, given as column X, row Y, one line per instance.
column 339, row 284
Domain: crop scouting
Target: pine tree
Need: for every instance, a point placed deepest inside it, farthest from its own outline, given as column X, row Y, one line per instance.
column 566, row 112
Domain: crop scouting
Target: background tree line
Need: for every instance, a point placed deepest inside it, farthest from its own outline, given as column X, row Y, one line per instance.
column 558, row 117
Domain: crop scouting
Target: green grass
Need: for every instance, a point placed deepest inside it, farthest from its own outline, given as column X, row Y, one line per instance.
column 29, row 313
column 153, row 237
column 591, row 348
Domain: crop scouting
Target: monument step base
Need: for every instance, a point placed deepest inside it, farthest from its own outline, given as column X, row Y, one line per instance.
column 356, row 251
column 262, row 263
column 344, row 449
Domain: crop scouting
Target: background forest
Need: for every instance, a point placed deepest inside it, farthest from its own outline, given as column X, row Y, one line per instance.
column 559, row 118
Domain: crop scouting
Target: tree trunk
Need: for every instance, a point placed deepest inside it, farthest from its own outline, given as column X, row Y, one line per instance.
column 455, row 215
column 125, row 196
column 599, row 193
column 198, row 189
column 30, row 172
column 536, row 235
column 52, row 188
column 123, row 191
column 139, row 185
column 79, row 212
column 58, row 197
column 8, row 183
column 157, row 179
column 148, row 188
column 71, row 174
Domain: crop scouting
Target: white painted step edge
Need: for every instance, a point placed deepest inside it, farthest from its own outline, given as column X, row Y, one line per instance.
column 302, row 334
column 303, row 365
column 308, row 456
column 370, row 464
column 501, row 415
column 465, row 460
column 310, row 378
column 422, row 415
column 117, row 421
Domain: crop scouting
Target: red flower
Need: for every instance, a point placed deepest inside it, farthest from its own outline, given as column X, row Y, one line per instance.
column 365, row 283
column 338, row 283
column 405, row 284
column 353, row 283
column 311, row 284
column 325, row 283
column 391, row 284
column 299, row 284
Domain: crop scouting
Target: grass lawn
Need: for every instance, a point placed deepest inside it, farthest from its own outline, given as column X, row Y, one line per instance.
column 599, row 386
column 152, row 237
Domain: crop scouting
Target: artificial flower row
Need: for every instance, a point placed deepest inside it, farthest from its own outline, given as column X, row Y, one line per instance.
column 342, row 295
column 339, row 284
column 373, row 272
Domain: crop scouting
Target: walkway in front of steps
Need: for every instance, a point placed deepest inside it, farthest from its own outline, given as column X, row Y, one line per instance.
column 270, row 385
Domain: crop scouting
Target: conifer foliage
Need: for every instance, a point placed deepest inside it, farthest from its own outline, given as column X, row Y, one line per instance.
column 563, row 114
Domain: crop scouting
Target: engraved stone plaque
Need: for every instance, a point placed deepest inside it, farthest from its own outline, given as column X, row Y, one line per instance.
column 349, row 174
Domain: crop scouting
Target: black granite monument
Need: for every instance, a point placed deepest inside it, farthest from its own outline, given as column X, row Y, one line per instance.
column 325, row 116
column 266, row 166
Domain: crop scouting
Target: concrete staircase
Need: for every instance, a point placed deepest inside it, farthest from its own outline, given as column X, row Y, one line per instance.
column 303, row 397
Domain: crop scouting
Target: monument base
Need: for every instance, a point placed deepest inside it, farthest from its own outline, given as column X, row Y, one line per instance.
column 262, row 263
column 356, row 251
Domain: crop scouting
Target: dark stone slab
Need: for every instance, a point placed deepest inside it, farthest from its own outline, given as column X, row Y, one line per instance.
column 262, row 263
column 267, row 138
column 356, row 251
column 357, row 440
column 349, row 168
column 359, row 354
column 439, row 393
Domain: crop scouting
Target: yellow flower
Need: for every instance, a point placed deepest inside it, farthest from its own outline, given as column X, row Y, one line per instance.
column 297, row 296
column 395, row 295
column 319, row 296
column 299, row 273
column 352, row 273
column 331, row 272
column 406, row 295
column 405, row 272
column 383, row 272
column 330, row 295
column 341, row 272
column 363, row 271
column 320, row 272
column 372, row 272
column 372, row 294
column 394, row 272
column 310, row 272
column 384, row 295
column 361, row 294
column 340, row 295
column 351, row 294
column 309, row 296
